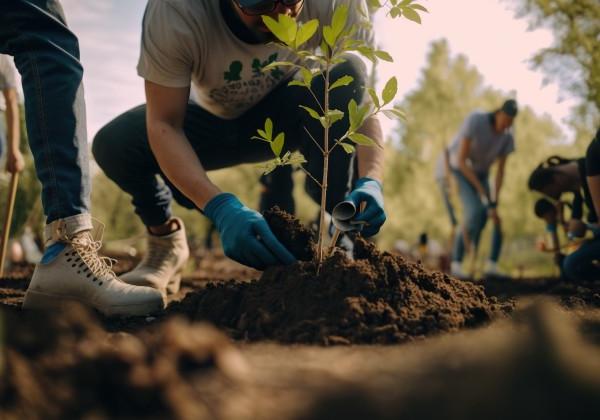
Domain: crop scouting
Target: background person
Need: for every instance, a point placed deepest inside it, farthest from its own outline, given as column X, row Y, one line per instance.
column 484, row 139
column 557, row 176
column 10, row 125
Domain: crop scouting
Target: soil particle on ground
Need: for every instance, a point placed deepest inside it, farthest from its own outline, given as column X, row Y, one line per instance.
column 67, row 366
column 375, row 298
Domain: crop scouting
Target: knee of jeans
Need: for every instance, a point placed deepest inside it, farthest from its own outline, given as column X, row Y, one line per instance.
column 101, row 147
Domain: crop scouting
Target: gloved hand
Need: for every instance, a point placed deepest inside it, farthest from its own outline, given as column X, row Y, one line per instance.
column 369, row 191
column 245, row 234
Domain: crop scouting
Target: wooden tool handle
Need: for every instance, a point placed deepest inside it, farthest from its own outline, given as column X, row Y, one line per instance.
column 12, row 193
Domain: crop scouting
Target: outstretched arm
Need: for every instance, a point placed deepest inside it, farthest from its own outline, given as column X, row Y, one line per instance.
column 166, row 109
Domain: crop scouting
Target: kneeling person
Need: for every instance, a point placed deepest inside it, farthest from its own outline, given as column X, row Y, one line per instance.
column 216, row 50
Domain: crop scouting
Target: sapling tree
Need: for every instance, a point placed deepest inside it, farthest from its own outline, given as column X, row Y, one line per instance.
column 338, row 39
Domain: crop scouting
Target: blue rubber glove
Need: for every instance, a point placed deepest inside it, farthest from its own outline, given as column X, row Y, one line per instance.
column 369, row 191
column 245, row 234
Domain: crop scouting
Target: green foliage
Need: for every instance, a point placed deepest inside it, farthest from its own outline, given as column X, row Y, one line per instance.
column 574, row 58
column 338, row 40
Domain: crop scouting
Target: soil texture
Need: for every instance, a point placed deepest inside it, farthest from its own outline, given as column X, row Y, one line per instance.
column 375, row 298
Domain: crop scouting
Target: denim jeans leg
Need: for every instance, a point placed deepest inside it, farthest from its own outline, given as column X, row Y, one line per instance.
column 474, row 216
column 445, row 191
column 497, row 238
column 46, row 54
column 584, row 264
column 122, row 151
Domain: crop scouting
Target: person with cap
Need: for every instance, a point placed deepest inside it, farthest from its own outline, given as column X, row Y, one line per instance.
column 46, row 54
column 485, row 139
column 216, row 51
column 10, row 134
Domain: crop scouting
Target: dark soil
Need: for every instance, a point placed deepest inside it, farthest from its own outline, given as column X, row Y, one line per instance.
column 67, row 366
column 297, row 238
column 375, row 298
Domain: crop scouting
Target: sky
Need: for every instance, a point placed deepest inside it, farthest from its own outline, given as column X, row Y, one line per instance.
column 486, row 31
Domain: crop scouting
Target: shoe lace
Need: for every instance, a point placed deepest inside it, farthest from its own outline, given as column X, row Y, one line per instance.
column 88, row 248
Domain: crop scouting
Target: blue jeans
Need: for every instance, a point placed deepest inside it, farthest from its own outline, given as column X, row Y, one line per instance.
column 46, row 55
column 580, row 266
column 475, row 216
column 121, row 147
column 445, row 190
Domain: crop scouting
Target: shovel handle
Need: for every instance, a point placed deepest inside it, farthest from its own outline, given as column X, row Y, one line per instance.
column 10, row 205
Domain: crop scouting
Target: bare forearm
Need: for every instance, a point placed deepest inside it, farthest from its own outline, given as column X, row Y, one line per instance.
column 472, row 178
column 180, row 164
column 499, row 182
column 370, row 158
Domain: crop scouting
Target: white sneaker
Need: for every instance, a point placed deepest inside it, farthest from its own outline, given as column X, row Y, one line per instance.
column 457, row 271
column 164, row 260
column 491, row 269
column 76, row 273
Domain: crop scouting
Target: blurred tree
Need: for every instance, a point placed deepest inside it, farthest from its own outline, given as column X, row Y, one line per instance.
column 574, row 58
column 448, row 90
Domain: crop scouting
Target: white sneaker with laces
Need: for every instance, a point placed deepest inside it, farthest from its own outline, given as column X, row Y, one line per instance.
column 164, row 260
column 457, row 271
column 72, row 270
column 491, row 269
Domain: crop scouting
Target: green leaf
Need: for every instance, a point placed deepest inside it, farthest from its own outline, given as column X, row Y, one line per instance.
column 374, row 97
column 335, row 115
column 306, row 75
column 277, row 144
column 329, row 35
column 395, row 12
column 342, row 81
column 390, row 90
column 419, row 7
column 361, row 139
column 340, row 17
column 293, row 158
column 284, row 29
column 394, row 114
column 383, row 55
column 348, row 148
column 297, row 83
column 269, row 129
column 306, row 32
column 410, row 14
column 259, row 138
column 374, row 4
column 276, row 64
column 368, row 53
column 261, row 133
column 311, row 112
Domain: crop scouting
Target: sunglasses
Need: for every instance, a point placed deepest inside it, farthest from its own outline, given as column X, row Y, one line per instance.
column 262, row 7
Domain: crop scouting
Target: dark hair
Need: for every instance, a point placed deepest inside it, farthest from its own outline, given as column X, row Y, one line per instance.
column 544, row 173
column 543, row 207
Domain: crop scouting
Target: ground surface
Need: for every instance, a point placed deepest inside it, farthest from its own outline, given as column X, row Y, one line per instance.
column 540, row 361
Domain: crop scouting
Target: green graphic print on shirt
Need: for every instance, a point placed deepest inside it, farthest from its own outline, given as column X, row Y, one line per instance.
column 238, row 93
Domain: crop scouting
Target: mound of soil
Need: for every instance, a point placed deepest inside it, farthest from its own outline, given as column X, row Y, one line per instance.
column 375, row 298
column 67, row 366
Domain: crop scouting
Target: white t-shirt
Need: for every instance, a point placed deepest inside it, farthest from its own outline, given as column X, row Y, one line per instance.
column 187, row 42
column 486, row 144
column 8, row 78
